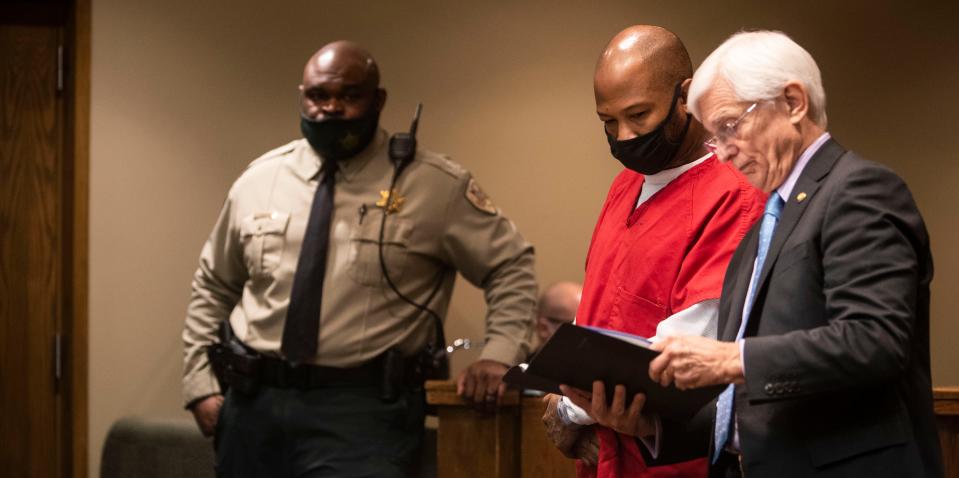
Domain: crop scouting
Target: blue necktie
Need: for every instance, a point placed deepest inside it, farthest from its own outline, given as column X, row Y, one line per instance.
column 724, row 407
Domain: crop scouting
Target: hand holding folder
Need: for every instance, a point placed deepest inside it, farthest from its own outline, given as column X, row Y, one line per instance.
column 576, row 356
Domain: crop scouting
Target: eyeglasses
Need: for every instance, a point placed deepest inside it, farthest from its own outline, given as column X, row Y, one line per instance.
column 728, row 130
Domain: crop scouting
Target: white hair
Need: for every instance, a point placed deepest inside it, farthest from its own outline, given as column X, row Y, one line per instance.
column 757, row 65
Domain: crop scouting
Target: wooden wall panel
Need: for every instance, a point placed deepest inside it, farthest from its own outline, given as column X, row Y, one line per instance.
column 30, row 162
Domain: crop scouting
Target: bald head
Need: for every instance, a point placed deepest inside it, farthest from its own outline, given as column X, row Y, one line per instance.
column 652, row 52
column 343, row 58
column 557, row 305
column 640, row 85
column 341, row 79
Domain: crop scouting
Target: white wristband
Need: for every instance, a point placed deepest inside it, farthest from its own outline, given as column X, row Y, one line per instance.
column 572, row 414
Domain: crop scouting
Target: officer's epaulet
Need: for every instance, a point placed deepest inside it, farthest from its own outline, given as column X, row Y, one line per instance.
column 442, row 163
column 460, row 175
column 273, row 153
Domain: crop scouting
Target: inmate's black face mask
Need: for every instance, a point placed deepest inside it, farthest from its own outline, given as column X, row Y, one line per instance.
column 652, row 152
column 339, row 138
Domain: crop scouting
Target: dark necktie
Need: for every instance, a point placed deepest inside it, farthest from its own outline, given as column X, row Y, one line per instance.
column 302, row 328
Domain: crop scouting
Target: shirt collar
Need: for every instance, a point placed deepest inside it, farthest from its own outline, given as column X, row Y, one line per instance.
column 307, row 164
column 787, row 187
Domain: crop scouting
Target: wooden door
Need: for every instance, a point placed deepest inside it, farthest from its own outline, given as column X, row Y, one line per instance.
column 31, row 165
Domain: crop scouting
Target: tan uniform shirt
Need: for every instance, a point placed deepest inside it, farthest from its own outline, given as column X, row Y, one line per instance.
column 441, row 221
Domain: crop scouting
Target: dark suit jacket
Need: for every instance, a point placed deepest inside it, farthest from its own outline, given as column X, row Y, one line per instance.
column 837, row 346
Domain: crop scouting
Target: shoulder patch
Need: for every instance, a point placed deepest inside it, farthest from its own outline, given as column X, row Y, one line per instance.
column 479, row 199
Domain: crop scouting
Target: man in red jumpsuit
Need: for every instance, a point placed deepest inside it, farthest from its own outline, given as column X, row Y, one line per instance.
column 668, row 228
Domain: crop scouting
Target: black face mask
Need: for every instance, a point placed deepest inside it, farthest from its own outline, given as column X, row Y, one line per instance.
column 339, row 138
column 650, row 153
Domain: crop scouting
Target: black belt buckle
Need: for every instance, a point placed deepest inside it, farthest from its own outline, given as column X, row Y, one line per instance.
column 293, row 376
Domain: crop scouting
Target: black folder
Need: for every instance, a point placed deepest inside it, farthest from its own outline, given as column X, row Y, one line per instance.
column 576, row 356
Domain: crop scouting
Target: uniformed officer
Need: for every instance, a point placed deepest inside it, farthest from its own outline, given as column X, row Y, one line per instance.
column 294, row 264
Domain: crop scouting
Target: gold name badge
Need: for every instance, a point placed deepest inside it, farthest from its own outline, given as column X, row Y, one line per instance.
column 396, row 201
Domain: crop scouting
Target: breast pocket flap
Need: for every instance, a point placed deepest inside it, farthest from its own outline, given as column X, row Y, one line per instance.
column 263, row 223
column 395, row 232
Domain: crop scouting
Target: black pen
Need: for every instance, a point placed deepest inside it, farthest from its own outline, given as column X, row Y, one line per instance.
column 362, row 212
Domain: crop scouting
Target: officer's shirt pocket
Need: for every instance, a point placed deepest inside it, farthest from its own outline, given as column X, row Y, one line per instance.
column 263, row 235
column 364, row 261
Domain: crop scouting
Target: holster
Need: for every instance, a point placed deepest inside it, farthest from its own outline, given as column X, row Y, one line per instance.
column 234, row 366
column 394, row 375
column 433, row 364
column 400, row 372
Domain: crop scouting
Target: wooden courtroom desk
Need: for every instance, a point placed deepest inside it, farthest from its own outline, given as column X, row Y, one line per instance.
column 510, row 444
column 513, row 443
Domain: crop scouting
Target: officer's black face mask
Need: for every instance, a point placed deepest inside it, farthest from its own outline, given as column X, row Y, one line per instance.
column 652, row 152
column 340, row 138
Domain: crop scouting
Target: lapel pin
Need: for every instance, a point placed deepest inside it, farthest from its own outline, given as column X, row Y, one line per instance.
column 800, row 197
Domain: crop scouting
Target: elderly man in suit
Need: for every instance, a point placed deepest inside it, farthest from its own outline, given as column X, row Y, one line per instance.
column 824, row 313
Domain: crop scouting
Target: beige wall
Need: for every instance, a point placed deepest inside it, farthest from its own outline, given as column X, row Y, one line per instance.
column 186, row 93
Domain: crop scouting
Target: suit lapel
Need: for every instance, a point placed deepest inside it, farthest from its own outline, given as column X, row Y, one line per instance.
column 729, row 322
column 809, row 180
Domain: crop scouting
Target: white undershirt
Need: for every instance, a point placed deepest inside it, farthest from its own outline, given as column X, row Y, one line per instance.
column 653, row 183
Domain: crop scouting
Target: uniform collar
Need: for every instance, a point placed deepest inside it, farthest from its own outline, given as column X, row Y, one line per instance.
column 307, row 163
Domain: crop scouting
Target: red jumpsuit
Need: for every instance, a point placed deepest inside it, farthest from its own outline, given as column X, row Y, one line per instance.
column 647, row 264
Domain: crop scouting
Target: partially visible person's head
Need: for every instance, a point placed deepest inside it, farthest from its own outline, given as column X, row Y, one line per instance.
column 340, row 99
column 640, row 87
column 760, row 94
column 557, row 306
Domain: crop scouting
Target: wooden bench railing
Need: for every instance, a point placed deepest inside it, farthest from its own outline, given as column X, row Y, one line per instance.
column 508, row 444
column 946, row 405
column 512, row 443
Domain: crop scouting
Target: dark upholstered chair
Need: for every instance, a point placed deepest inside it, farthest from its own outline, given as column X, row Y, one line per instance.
column 139, row 447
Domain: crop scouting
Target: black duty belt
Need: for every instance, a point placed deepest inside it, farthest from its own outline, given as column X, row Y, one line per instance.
column 237, row 366
column 282, row 374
